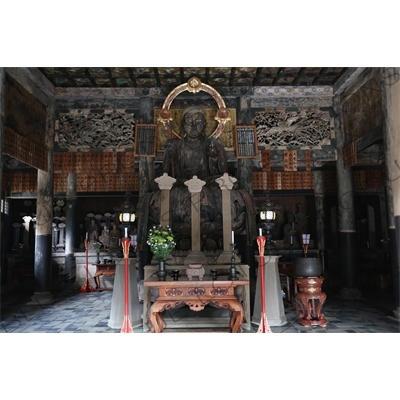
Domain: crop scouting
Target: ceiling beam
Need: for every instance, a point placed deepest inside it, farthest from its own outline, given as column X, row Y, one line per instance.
column 320, row 75
column 299, row 75
column 370, row 138
column 348, row 78
column 278, row 75
column 34, row 82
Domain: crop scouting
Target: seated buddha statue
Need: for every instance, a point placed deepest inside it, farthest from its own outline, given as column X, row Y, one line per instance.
column 196, row 155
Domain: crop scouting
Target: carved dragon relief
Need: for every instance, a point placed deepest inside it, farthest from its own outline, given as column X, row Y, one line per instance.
column 82, row 131
column 304, row 128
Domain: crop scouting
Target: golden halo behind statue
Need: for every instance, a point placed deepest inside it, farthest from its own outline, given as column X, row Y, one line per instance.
column 194, row 85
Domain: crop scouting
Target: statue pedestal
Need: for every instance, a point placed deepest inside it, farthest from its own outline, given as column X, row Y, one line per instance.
column 195, row 257
column 273, row 294
column 118, row 300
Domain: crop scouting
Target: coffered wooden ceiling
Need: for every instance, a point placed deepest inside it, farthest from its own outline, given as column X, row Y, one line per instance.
column 99, row 77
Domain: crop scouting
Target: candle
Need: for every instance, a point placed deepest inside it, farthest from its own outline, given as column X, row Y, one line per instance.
column 119, row 242
column 259, row 232
column 87, row 235
column 291, row 239
column 233, row 237
column 126, row 232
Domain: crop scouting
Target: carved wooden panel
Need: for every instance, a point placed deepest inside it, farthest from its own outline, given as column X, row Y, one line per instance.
column 282, row 128
column 84, row 130
column 145, row 139
column 246, row 141
column 266, row 160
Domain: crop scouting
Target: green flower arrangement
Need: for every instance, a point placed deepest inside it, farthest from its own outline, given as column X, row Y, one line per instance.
column 97, row 246
column 161, row 241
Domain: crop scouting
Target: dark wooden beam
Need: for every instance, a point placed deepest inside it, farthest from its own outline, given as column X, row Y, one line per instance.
column 369, row 138
column 299, row 75
column 133, row 79
column 92, row 81
column 320, row 75
column 114, row 82
column 347, row 79
column 278, row 75
column 157, row 76
column 34, row 82
column 207, row 75
column 257, row 77
column 233, row 71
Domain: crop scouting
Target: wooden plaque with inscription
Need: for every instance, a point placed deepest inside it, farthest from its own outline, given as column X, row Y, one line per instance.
column 246, row 141
column 145, row 139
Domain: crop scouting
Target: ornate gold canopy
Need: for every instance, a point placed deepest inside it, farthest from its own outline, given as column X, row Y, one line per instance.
column 194, row 85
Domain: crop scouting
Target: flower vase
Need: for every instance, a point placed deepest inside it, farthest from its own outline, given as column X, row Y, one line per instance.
column 162, row 272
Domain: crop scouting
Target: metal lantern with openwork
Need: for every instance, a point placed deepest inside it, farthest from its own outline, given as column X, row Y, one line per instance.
column 268, row 213
column 126, row 212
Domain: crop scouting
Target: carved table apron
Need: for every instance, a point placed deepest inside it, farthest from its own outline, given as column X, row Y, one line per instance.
column 103, row 269
column 150, row 271
column 196, row 294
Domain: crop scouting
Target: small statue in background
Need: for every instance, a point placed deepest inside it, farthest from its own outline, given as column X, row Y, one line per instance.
column 105, row 237
column 301, row 219
column 291, row 233
column 93, row 234
column 114, row 238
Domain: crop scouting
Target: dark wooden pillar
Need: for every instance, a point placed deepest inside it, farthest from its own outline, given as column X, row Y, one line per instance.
column 347, row 231
column 3, row 270
column 70, row 230
column 320, row 213
column 146, row 172
column 44, row 218
column 245, row 168
column 245, row 180
column 391, row 132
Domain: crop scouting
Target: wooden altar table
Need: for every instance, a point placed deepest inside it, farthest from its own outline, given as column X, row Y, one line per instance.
column 196, row 294
column 103, row 269
column 210, row 318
